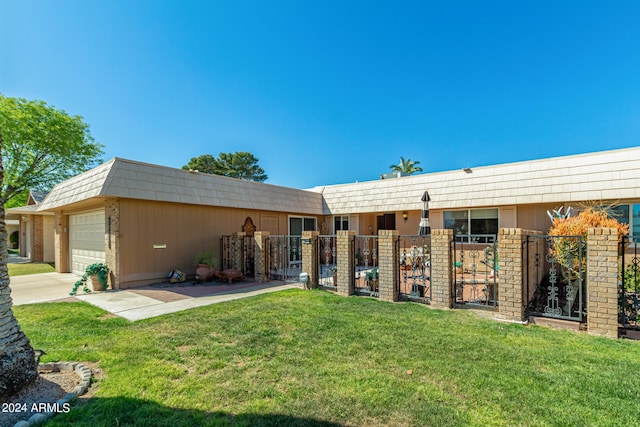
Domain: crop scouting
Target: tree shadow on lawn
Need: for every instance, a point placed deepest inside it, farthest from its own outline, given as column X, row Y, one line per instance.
column 124, row 411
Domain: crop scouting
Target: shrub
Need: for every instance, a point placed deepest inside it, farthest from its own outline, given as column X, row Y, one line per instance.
column 566, row 249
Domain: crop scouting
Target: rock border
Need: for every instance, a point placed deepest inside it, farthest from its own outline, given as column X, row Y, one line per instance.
column 83, row 371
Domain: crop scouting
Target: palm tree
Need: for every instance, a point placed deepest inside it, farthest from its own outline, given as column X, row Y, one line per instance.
column 406, row 166
column 17, row 359
column 39, row 146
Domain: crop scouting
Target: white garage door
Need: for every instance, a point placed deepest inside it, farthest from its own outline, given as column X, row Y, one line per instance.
column 86, row 239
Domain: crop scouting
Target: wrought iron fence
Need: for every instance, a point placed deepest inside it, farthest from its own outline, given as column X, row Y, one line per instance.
column 327, row 262
column 629, row 283
column 365, row 253
column 475, row 271
column 284, row 257
column 414, row 281
column 556, row 267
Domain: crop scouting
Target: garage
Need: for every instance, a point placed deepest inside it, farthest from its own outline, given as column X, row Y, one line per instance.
column 86, row 239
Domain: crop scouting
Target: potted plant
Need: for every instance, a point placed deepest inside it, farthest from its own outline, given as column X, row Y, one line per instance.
column 334, row 273
column 372, row 280
column 206, row 265
column 99, row 274
column 458, row 267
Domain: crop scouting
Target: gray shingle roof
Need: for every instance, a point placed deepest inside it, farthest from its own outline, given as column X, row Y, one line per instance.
column 135, row 180
column 607, row 175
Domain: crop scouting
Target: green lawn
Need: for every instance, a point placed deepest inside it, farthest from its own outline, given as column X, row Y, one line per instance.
column 30, row 268
column 313, row 358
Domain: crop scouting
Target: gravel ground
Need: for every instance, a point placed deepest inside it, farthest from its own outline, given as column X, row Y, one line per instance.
column 48, row 387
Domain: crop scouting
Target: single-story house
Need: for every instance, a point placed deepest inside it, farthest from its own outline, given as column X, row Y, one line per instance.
column 144, row 220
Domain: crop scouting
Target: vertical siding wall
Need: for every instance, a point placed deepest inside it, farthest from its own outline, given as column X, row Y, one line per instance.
column 156, row 237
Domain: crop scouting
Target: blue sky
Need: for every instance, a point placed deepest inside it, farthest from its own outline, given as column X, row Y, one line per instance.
column 329, row 92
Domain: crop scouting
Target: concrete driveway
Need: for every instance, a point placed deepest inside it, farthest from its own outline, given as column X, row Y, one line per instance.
column 43, row 287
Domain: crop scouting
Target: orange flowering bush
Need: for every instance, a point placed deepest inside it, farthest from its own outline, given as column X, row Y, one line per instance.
column 566, row 249
column 590, row 218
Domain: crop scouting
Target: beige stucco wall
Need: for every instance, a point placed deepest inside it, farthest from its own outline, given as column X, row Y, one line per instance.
column 48, row 239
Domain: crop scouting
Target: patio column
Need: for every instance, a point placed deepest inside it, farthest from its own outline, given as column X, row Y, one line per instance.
column 602, row 282
column 441, row 268
column 388, row 265
column 112, row 241
column 310, row 257
column 61, row 241
column 261, row 239
column 345, row 264
column 512, row 298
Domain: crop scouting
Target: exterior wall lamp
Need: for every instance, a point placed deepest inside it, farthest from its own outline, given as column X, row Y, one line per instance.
column 405, row 215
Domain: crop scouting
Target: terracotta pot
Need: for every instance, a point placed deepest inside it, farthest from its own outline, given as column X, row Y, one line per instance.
column 204, row 273
column 95, row 283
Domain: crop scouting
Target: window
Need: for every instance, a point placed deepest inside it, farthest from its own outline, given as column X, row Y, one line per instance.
column 340, row 223
column 484, row 221
column 628, row 214
column 621, row 213
column 386, row 221
column 472, row 221
column 458, row 221
column 299, row 224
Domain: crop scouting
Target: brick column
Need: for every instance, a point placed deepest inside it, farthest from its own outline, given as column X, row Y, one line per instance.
column 511, row 301
column 441, row 268
column 37, row 248
column 344, row 247
column 602, row 282
column 61, row 242
column 388, row 265
column 310, row 257
column 112, row 241
column 261, row 239
column 22, row 243
column 237, row 239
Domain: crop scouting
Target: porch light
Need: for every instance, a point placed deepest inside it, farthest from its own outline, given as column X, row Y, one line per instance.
column 405, row 215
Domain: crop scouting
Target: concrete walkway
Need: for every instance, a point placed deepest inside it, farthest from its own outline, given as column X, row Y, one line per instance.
column 136, row 303
column 133, row 305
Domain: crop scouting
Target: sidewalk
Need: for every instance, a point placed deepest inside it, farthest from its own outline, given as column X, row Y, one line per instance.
column 144, row 303
column 136, row 303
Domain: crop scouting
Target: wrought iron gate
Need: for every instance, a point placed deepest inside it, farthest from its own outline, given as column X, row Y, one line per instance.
column 238, row 252
column 327, row 262
column 629, row 291
column 365, row 253
column 556, row 267
column 475, row 271
column 284, row 258
column 414, row 281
